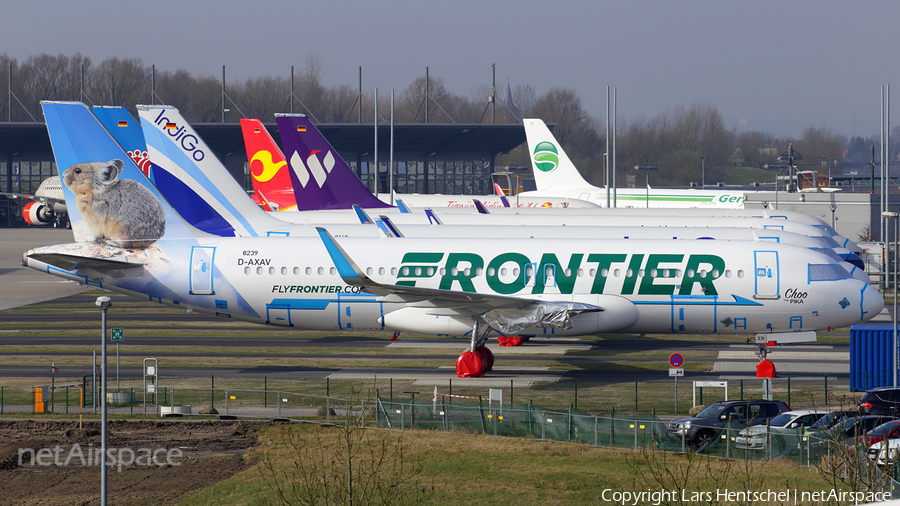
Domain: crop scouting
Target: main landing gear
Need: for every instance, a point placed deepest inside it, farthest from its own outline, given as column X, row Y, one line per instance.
column 478, row 360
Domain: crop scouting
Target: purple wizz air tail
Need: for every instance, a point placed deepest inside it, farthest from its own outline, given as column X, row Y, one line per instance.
column 322, row 180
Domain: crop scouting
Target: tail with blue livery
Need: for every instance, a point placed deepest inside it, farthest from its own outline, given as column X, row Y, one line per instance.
column 322, row 180
column 110, row 199
column 193, row 208
column 186, row 160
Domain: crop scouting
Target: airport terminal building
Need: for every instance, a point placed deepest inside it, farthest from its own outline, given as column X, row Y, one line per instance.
column 428, row 157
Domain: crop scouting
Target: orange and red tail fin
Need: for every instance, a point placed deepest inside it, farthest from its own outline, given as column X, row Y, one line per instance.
column 268, row 167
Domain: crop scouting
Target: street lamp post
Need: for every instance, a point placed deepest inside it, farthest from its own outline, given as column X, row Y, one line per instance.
column 889, row 214
column 647, row 169
column 104, row 304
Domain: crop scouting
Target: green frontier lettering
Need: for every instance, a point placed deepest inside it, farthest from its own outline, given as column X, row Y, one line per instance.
column 518, row 261
column 460, row 270
column 461, row 267
column 427, row 268
column 630, row 279
column 550, row 266
column 695, row 262
column 604, row 260
column 647, row 285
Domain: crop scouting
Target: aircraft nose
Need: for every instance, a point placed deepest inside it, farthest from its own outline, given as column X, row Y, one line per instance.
column 872, row 303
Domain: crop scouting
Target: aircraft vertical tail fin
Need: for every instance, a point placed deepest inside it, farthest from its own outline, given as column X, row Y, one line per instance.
column 192, row 208
column 551, row 166
column 322, row 180
column 108, row 197
column 268, row 167
column 182, row 155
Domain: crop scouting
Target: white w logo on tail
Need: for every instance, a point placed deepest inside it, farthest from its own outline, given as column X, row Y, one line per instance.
column 312, row 167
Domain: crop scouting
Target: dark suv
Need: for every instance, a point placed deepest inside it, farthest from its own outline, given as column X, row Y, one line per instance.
column 880, row 401
column 701, row 429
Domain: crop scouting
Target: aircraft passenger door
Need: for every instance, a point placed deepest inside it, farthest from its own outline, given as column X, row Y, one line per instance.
column 765, row 273
column 201, row 275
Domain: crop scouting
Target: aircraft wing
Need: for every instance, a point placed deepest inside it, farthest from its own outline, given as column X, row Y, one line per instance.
column 506, row 314
column 50, row 201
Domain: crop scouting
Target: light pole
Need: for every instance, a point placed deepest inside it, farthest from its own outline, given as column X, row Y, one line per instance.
column 702, row 173
column 889, row 214
column 104, row 304
column 647, row 169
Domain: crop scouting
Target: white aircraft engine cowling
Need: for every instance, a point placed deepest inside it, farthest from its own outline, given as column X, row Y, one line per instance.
column 424, row 321
column 618, row 314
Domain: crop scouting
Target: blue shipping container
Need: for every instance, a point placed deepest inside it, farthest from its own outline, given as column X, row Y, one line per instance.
column 871, row 361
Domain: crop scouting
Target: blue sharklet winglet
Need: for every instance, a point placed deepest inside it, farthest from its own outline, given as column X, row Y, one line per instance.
column 347, row 268
column 480, row 207
column 390, row 225
column 402, row 207
column 363, row 216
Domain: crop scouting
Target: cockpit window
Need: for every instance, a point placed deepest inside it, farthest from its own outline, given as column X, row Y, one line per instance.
column 829, row 252
column 827, row 272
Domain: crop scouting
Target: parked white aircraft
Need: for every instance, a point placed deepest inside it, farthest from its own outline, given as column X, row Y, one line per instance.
column 207, row 184
column 555, row 175
column 46, row 206
column 117, row 121
column 475, row 287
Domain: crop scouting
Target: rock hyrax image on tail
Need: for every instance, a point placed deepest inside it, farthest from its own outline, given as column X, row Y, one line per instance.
column 121, row 212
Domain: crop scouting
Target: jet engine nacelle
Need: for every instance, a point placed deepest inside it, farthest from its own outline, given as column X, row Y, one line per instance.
column 618, row 314
column 36, row 213
column 424, row 321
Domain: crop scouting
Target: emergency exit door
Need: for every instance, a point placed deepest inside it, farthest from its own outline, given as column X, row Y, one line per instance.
column 766, row 274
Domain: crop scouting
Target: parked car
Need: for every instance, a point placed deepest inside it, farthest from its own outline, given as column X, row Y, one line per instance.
column 880, row 401
column 851, row 427
column 788, row 423
column 887, row 430
column 703, row 428
column 885, row 453
column 828, row 421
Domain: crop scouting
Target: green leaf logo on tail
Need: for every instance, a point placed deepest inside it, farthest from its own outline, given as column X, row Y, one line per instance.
column 546, row 157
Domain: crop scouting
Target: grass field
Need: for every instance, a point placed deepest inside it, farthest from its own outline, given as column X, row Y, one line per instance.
column 455, row 467
column 480, row 470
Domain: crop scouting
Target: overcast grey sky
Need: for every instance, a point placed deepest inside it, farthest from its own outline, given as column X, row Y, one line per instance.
column 775, row 66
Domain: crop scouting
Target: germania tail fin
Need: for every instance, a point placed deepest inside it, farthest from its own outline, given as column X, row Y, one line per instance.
column 551, row 166
column 268, row 167
column 322, row 180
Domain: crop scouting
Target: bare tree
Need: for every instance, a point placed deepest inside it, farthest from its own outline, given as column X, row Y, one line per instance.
column 120, row 82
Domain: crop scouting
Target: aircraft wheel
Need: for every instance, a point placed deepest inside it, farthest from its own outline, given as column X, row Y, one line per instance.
column 470, row 365
column 487, row 356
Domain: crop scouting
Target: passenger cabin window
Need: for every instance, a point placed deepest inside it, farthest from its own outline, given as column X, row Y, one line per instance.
column 827, row 272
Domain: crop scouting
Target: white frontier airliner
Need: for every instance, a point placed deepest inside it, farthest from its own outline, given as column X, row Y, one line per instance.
column 554, row 287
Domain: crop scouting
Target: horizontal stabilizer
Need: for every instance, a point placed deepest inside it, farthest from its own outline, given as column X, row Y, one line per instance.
column 119, row 268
